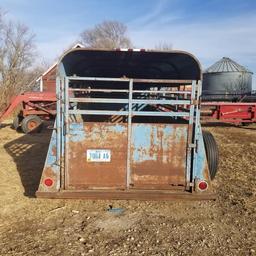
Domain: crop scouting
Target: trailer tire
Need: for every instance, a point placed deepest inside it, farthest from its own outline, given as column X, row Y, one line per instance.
column 212, row 153
column 31, row 124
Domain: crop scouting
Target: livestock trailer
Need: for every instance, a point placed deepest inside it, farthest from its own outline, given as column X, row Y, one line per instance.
column 128, row 127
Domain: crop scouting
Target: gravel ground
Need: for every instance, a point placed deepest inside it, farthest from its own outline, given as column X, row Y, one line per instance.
column 30, row 226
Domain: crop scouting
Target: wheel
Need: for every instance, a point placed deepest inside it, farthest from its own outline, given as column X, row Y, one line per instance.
column 32, row 123
column 16, row 123
column 212, row 153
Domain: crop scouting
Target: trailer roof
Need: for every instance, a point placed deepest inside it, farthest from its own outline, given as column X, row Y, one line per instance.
column 131, row 64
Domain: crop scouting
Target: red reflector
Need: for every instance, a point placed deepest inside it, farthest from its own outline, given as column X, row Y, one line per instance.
column 48, row 182
column 203, row 185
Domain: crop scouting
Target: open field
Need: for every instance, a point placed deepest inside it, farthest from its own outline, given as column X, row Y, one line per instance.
column 30, row 226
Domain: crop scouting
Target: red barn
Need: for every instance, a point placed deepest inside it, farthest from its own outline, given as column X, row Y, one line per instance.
column 47, row 81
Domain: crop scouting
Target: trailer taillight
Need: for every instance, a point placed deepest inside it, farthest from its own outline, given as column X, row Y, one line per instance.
column 48, row 182
column 202, row 185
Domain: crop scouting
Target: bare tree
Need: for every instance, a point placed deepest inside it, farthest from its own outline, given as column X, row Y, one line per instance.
column 17, row 52
column 108, row 34
column 164, row 46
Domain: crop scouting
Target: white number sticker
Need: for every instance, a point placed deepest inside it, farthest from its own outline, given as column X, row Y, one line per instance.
column 98, row 155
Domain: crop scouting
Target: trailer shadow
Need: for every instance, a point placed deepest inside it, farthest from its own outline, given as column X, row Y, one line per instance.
column 29, row 153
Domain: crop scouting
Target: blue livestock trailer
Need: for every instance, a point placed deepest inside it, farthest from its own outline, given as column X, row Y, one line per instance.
column 128, row 127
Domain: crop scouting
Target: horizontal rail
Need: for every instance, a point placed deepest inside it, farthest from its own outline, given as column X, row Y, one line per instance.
column 161, row 92
column 134, row 101
column 126, row 91
column 228, row 103
column 164, row 102
column 77, row 78
column 167, row 81
column 98, row 100
column 125, row 113
column 162, row 81
column 96, row 90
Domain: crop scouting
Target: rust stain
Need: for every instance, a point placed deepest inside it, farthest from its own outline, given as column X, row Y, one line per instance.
column 54, row 151
column 83, row 174
column 169, row 166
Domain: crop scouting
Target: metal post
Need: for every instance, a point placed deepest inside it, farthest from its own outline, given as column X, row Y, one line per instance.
column 66, row 126
column 190, row 143
column 197, row 123
column 129, row 133
column 58, row 121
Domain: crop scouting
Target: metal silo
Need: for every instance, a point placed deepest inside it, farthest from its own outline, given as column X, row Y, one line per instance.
column 226, row 77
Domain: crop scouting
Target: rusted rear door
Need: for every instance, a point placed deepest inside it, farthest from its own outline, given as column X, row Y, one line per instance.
column 158, row 155
column 97, row 156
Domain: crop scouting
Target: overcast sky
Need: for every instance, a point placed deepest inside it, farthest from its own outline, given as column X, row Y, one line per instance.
column 210, row 29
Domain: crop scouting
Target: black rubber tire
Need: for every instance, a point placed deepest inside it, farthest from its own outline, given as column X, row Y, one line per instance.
column 212, row 153
column 27, row 122
column 16, row 123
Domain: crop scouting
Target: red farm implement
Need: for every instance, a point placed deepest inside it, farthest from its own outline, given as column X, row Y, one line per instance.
column 31, row 108
column 229, row 112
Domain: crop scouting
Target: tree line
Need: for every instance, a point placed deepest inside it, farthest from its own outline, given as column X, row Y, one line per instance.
column 18, row 70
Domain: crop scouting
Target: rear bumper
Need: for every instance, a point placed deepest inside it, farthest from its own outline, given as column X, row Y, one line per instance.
column 127, row 195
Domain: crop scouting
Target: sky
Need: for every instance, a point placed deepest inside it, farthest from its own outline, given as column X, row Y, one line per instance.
column 210, row 29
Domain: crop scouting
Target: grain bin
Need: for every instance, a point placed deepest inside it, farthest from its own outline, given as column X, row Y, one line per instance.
column 226, row 77
column 127, row 128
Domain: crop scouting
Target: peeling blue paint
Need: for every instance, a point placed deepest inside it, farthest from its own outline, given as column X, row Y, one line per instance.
column 199, row 157
column 76, row 131
column 148, row 139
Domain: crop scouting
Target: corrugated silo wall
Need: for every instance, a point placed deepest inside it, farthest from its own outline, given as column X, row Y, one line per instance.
column 227, row 82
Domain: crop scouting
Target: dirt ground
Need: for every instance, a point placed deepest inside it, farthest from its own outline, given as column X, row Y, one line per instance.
column 30, row 226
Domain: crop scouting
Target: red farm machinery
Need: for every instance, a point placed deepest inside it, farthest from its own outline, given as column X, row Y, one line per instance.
column 30, row 109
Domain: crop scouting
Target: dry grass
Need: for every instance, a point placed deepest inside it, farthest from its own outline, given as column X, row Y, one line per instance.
column 30, row 226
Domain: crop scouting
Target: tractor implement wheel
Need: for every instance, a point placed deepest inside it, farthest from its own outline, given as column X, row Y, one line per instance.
column 31, row 124
column 212, row 153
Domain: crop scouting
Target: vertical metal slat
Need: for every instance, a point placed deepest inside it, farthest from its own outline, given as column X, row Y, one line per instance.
column 129, row 132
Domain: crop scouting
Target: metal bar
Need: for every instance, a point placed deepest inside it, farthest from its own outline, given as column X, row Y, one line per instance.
column 228, row 104
column 37, row 106
column 77, row 78
column 151, row 113
column 190, row 136
column 99, row 100
column 126, row 91
column 143, row 101
column 162, row 92
column 99, row 112
column 164, row 81
column 155, row 195
column 129, row 134
column 58, row 121
column 66, row 128
column 125, row 113
column 197, row 124
column 62, row 139
column 169, row 102
column 175, row 81
column 96, row 90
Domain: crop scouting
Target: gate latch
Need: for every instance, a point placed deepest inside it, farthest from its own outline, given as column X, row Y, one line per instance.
column 194, row 145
